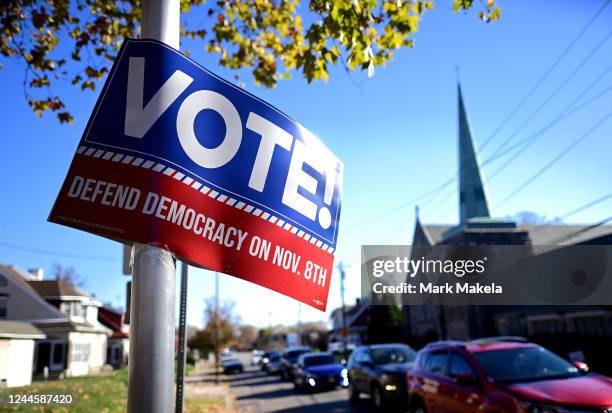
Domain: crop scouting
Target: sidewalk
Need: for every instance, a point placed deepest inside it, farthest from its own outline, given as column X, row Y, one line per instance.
column 200, row 384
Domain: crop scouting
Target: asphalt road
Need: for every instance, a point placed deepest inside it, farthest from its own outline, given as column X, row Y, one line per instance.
column 258, row 392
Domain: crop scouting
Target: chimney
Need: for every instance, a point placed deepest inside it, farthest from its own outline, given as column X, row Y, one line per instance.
column 37, row 273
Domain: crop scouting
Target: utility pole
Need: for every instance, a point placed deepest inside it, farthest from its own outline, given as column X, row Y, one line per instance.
column 181, row 357
column 344, row 327
column 217, row 355
column 299, row 325
column 151, row 364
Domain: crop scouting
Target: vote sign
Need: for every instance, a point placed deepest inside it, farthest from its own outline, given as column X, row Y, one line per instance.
column 177, row 156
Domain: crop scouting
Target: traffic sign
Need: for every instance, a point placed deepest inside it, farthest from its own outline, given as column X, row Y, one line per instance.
column 177, row 156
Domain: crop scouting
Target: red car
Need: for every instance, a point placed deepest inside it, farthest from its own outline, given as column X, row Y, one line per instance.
column 503, row 375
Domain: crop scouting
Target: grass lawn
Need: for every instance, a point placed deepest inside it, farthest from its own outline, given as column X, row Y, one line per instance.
column 99, row 394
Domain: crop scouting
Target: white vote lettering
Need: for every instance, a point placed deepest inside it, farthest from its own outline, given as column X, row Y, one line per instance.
column 271, row 135
column 194, row 104
column 139, row 118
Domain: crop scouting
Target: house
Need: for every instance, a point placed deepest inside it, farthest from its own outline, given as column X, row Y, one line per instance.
column 17, row 352
column 75, row 342
column 119, row 342
column 356, row 318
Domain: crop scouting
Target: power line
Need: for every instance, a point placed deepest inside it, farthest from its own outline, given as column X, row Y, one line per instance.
column 526, row 140
column 554, row 93
column 436, row 191
column 58, row 253
column 545, row 75
column 555, row 159
column 581, row 231
column 530, row 140
column 523, row 144
column 586, row 206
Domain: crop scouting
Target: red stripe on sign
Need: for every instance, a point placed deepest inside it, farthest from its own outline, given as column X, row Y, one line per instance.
column 134, row 204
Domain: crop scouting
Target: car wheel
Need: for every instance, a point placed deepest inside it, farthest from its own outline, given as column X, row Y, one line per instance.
column 378, row 398
column 417, row 407
column 353, row 394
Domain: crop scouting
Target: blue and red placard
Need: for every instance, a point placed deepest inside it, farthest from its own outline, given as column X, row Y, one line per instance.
column 177, row 156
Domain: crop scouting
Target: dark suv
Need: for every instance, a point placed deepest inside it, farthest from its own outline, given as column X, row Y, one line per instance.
column 289, row 361
column 503, row 375
column 380, row 371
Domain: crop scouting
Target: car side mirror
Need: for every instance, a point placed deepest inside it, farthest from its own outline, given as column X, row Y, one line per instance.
column 581, row 366
column 466, row 379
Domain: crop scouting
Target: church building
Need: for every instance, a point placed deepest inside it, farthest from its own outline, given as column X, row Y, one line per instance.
column 563, row 328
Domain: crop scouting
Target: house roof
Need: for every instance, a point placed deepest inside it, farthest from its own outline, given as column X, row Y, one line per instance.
column 113, row 320
column 71, row 325
column 544, row 234
column 17, row 329
column 57, row 288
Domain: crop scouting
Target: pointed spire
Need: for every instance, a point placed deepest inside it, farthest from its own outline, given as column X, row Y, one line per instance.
column 421, row 235
column 472, row 195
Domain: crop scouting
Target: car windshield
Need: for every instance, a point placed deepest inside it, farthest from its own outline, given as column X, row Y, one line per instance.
column 294, row 354
column 318, row 360
column 524, row 364
column 390, row 355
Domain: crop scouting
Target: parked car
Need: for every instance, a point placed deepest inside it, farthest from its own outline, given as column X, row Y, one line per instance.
column 289, row 361
column 265, row 359
column 273, row 366
column 503, row 375
column 232, row 365
column 380, row 371
column 256, row 357
column 319, row 371
column 226, row 355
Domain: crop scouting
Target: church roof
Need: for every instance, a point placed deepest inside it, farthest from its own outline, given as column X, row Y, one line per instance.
column 543, row 234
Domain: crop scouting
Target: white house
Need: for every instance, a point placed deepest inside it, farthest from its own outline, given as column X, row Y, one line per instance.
column 75, row 342
column 17, row 352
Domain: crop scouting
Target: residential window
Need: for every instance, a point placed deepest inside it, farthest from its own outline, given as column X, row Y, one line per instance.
column 3, row 281
column 3, row 305
column 80, row 352
column 72, row 308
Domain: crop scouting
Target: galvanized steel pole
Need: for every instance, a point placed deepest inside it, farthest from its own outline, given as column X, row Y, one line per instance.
column 152, row 335
column 152, row 331
column 181, row 356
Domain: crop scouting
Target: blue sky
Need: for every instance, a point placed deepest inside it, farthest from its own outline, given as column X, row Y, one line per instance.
column 395, row 132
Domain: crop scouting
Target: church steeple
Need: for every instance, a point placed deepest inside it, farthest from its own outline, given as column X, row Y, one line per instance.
column 472, row 196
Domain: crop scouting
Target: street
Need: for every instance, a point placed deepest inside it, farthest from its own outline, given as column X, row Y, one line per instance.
column 256, row 392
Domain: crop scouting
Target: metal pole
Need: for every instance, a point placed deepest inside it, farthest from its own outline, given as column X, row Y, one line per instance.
column 299, row 325
column 217, row 364
column 344, row 328
column 151, row 362
column 180, row 367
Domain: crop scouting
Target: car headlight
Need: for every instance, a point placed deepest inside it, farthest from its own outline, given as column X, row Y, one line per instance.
column 312, row 380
